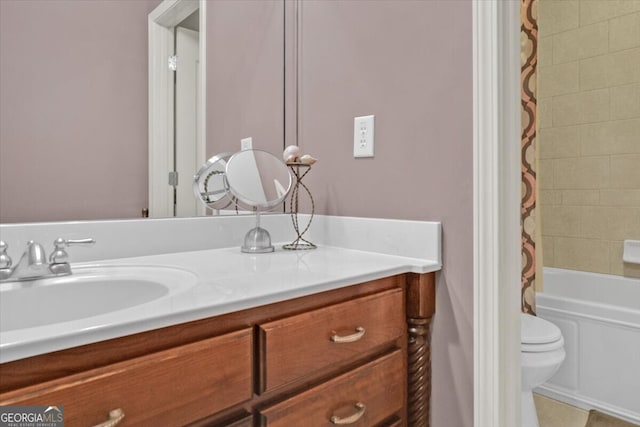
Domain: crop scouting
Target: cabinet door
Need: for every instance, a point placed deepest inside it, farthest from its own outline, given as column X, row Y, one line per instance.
column 363, row 397
column 168, row 388
column 296, row 346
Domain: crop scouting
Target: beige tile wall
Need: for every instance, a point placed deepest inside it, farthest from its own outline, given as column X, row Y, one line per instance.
column 589, row 131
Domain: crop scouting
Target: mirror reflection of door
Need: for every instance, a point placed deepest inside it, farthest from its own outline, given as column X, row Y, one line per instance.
column 186, row 161
column 177, row 60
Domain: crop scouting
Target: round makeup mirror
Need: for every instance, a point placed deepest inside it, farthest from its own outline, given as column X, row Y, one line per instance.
column 260, row 180
column 210, row 183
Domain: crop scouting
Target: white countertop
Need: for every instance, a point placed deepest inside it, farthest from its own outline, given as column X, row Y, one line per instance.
column 226, row 281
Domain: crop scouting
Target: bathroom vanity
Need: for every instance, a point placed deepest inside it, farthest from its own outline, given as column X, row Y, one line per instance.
column 352, row 353
column 333, row 336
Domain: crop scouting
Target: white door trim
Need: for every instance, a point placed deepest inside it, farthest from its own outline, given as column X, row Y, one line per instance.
column 187, row 95
column 496, row 206
column 161, row 42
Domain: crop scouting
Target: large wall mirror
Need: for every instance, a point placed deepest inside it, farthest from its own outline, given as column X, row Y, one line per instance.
column 74, row 99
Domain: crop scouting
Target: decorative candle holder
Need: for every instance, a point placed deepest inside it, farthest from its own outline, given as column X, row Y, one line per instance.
column 299, row 170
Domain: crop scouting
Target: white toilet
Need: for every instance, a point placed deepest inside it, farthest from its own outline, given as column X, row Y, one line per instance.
column 542, row 348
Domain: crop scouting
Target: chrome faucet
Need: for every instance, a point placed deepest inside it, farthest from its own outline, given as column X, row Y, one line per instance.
column 33, row 262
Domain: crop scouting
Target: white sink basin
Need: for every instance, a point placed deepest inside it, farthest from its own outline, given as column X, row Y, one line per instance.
column 88, row 292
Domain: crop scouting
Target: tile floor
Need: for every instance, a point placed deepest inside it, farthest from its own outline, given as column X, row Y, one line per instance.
column 552, row 413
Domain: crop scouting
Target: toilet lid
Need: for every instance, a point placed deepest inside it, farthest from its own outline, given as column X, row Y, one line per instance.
column 542, row 348
column 535, row 330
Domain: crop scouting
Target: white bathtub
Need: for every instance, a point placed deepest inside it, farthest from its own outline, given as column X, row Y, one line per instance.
column 599, row 316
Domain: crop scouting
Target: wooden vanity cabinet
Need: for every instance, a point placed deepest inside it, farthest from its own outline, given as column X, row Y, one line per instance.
column 296, row 346
column 365, row 396
column 171, row 387
column 357, row 355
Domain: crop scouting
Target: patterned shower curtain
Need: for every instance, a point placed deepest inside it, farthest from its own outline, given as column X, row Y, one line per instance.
column 529, row 62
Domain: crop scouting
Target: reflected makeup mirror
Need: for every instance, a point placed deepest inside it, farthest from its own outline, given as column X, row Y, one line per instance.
column 210, row 183
column 261, row 181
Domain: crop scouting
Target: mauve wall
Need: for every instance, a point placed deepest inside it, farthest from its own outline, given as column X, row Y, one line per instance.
column 73, row 109
column 410, row 64
column 245, row 74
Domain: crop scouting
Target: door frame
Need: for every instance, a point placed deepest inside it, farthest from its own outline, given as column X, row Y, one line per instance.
column 161, row 21
column 496, row 208
column 187, row 95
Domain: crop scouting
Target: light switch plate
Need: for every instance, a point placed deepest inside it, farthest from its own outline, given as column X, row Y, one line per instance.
column 363, row 136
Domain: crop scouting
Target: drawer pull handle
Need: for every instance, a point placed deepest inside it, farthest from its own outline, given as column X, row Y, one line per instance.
column 115, row 416
column 360, row 408
column 348, row 338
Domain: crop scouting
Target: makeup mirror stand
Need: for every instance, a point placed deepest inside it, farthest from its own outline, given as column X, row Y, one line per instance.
column 257, row 240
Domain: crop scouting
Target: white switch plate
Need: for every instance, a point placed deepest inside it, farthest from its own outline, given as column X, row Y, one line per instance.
column 246, row 144
column 363, row 136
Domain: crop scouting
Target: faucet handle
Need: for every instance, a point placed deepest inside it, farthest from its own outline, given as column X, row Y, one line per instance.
column 59, row 255
column 5, row 259
column 74, row 242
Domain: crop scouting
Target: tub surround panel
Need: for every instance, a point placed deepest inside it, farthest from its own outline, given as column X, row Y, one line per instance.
column 625, row 32
column 579, row 43
column 597, row 10
column 589, row 89
column 559, row 16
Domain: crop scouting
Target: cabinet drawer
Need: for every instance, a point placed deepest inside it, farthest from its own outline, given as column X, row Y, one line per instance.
column 295, row 346
column 168, row 388
column 245, row 422
column 369, row 395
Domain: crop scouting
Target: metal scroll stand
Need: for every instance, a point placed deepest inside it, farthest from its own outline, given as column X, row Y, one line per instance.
column 300, row 243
